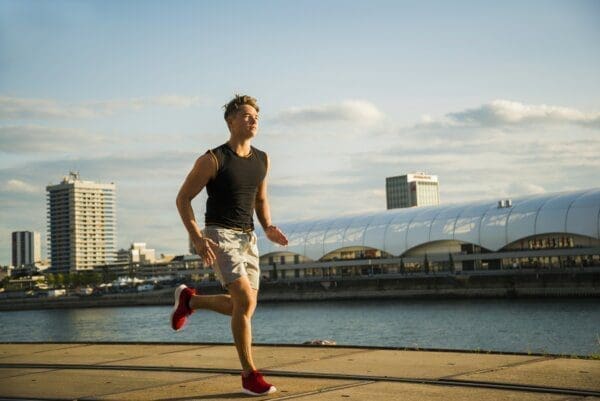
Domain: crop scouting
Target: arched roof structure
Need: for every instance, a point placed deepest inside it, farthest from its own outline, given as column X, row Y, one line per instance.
column 481, row 223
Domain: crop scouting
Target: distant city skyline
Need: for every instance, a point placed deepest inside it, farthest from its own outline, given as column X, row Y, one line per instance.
column 498, row 100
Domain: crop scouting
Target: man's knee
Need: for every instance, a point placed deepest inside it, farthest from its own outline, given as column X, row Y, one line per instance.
column 243, row 297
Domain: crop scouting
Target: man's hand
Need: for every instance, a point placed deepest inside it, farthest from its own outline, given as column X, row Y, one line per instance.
column 276, row 235
column 205, row 247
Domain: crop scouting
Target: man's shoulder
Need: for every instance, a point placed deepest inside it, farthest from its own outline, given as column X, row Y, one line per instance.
column 262, row 155
column 217, row 154
column 221, row 148
column 219, row 151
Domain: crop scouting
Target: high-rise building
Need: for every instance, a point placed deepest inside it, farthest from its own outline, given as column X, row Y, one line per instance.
column 26, row 248
column 416, row 189
column 82, row 223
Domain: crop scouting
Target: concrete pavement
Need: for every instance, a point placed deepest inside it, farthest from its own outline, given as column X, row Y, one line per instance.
column 169, row 372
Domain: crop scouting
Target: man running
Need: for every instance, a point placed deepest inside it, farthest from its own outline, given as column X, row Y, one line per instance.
column 234, row 175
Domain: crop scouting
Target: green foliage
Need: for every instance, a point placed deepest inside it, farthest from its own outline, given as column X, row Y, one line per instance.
column 60, row 280
column 89, row 278
column 85, row 278
column 74, row 279
column 51, row 280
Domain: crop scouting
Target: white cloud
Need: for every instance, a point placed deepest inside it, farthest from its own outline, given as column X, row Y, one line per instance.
column 12, row 108
column 35, row 138
column 511, row 113
column 525, row 188
column 472, row 161
column 18, row 186
column 512, row 150
column 50, row 142
column 17, row 108
column 354, row 111
column 113, row 106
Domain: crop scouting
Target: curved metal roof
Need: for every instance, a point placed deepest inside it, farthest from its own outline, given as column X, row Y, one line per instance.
column 481, row 223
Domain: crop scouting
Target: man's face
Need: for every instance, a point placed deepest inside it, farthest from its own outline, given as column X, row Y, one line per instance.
column 244, row 123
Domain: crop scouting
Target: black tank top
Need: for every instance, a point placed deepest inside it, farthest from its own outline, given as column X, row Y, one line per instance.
column 232, row 193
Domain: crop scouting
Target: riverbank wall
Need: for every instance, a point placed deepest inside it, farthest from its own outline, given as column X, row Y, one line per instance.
column 482, row 284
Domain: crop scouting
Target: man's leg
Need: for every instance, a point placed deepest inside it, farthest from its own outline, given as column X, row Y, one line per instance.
column 243, row 301
column 217, row 303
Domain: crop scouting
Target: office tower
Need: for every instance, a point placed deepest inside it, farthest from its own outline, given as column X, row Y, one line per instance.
column 82, row 224
column 416, row 189
column 26, row 248
column 138, row 253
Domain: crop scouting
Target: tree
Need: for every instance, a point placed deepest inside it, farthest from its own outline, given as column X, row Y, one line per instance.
column 96, row 279
column 60, row 280
column 50, row 280
column 84, row 278
column 74, row 279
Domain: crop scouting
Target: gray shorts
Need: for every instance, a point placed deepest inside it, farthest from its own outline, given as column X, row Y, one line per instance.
column 237, row 255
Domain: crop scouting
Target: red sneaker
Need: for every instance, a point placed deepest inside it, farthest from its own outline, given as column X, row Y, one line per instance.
column 181, row 310
column 255, row 384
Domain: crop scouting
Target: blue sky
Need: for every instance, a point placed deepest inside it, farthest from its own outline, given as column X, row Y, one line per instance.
column 496, row 98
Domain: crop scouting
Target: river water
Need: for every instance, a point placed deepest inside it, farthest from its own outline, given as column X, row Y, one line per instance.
column 557, row 326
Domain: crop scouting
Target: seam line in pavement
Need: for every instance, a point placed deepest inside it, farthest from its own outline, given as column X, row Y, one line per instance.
column 41, row 352
column 186, row 350
column 292, row 345
column 570, row 398
column 99, row 397
column 323, row 390
column 29, row 373
column 34, row 399
column 497, row 368
column 311, row 375
column 145, row 356
column 315, row 360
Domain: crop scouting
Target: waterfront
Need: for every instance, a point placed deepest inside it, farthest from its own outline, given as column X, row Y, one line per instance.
column 557, row 326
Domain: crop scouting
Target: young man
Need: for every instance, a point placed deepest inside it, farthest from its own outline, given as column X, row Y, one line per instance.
column 234, row 175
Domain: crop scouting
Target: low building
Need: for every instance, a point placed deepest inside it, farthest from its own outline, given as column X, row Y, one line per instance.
column 137, row 254
column 548, row 230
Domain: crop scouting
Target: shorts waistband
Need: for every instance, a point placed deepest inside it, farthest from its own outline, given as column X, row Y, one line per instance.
column 243, row 230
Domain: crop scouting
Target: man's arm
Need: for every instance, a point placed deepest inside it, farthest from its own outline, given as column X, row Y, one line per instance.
column 263, row 212
column 204, row 169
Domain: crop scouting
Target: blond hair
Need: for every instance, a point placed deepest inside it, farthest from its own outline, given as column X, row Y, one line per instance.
column 235, row 103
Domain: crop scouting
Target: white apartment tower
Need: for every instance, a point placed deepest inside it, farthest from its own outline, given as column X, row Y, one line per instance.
column 416, row 189
column 82, row 224
column 26, row 248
